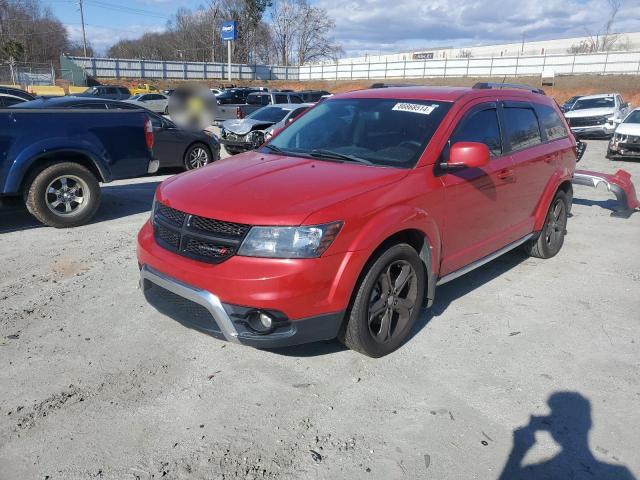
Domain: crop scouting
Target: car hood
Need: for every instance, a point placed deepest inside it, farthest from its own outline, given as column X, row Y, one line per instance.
column 268, row 189
column 244, row 125
column 590, row 112
column 628, row 129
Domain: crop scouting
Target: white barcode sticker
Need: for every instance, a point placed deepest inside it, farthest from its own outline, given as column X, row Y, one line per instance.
column 415, row 108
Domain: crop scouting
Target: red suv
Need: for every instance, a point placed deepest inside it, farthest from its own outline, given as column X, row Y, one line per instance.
column 344, row 223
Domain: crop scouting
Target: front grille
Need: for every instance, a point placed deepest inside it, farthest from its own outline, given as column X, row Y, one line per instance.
column 204, row 239
column 587, row 121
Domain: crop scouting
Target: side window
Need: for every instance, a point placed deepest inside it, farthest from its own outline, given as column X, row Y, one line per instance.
column 281, row 98
column 265, row 99
column 295, row 99
column 522, row 127
column 89, row 106
column 551, row 123
column 482, row 127
column 111, row 91
column 155, row 121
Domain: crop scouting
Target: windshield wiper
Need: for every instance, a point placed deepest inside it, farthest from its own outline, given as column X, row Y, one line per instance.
column 273, row 148
column 319, row 153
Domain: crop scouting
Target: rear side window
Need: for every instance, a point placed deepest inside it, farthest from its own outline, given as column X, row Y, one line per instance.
column 482, row 127
column 522, row 128
column 281, row 98
column 550, row 122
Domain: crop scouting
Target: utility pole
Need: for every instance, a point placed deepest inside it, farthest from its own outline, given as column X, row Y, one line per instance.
column 84, row 35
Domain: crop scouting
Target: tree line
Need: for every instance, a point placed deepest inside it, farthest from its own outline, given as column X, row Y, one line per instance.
column 286, row 32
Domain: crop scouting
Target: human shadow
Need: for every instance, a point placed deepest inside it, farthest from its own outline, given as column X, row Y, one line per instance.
column 568, row 423
column 117, row 201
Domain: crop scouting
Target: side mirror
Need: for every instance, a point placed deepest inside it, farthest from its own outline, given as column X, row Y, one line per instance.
column 467, row 155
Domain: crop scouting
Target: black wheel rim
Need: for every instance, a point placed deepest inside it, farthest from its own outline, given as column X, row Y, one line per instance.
column 556, row 224
column 392, row 301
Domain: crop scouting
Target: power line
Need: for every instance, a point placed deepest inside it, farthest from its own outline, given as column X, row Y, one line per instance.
column 122, row 8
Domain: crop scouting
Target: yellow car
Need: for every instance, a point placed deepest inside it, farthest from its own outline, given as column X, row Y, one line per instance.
column 143, row 88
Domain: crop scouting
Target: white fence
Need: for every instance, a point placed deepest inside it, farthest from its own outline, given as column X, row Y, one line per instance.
column 152, row 69
column 547, row 65
column 593, row 63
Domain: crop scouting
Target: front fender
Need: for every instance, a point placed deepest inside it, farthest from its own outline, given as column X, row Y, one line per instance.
column 29, row 156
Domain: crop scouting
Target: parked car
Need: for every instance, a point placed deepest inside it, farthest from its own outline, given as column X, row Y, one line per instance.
column 168, row 91
column 144, row 88
column 16, row 92
column 216, row 91
column 234, row 96
column 312, row 96
column 156, row 102
column 625, row 143
column 255, row 101
column 596, row 115
column 7, row 100
column 344, row 223
column 174, row 146
column 112, row 92
column 248, row 133
column 56, row 159
column 566, row 106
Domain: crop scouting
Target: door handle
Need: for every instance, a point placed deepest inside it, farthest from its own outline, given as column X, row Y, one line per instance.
column 505, row 174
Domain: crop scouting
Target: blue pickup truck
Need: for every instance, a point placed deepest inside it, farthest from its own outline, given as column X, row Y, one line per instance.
column 55, row 159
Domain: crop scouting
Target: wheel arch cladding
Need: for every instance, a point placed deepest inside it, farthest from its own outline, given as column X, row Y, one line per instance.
column 39, row 163
column 559, row 181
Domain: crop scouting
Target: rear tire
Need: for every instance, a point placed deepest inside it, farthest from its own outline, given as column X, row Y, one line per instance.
column 63, row 195
column 551, row 238
column 386, row 303
column 197, row 155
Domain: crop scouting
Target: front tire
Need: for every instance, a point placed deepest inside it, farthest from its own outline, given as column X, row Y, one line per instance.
column 63, row 195
column 197, row 156
column 387, row 302
column 551, row 238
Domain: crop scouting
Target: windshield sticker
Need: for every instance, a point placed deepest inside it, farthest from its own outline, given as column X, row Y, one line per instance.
column 415, row 108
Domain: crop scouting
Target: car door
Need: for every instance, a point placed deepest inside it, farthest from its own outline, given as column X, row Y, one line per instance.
column 170, row 142
column 532, row 160
column 476, row 198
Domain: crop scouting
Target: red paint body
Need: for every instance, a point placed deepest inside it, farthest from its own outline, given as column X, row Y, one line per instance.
column 464, row 215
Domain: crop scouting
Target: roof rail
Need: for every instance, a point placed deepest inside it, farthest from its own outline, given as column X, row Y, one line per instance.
column 389, row 85
column 500, row 86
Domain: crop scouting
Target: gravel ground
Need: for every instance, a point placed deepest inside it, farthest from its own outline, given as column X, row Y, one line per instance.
column 95, row 383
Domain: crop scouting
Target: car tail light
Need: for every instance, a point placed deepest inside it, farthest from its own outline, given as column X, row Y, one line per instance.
column 239, row 113
column 148, row 133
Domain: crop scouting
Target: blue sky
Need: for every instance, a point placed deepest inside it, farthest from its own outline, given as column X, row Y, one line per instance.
column 379, row 26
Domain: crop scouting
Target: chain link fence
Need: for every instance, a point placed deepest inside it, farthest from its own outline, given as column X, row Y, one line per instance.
column 27, row 74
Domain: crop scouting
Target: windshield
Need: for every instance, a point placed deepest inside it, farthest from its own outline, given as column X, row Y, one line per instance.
column 602, row 102
column 269, row 114
column 378, row 131
column 633, row 117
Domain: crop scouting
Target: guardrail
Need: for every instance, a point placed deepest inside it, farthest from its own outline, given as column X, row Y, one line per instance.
column 546, row 65
column 626, row 62
column 167, row 70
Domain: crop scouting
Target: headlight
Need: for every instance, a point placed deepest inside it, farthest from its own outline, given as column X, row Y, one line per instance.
column 289, row 242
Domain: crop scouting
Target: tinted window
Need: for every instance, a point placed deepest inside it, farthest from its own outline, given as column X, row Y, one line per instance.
column 269, row 114
column 123, row 106
column 385, row 132
column 633, row 117
column 124, row 91
column 297, row 112
column 112, row 91
column 481, row 127
column 280, row 98
column 9, row 101
column 602, row 102
column 522, row 128
column 295, row 99
column 550, row 122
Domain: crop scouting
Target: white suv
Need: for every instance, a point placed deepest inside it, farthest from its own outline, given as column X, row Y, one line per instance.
column 596, row 115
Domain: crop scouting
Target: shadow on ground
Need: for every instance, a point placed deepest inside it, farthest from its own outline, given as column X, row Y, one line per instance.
column 568, row 423
column 117, row 201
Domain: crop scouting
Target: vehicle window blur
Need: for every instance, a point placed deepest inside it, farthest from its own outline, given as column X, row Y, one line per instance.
column 269, row 114
column 385, row 132
column 603, row 102
column 633, row 117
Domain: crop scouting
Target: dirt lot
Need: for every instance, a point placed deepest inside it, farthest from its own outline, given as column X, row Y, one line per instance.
column 95, row 383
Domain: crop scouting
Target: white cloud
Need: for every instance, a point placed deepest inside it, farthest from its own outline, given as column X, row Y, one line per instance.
column 369, row 26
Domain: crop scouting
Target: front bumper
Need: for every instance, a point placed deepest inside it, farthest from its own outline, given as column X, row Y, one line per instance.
column 239, row 144
column 623, row 150
column 604, row 130
column 203, row 311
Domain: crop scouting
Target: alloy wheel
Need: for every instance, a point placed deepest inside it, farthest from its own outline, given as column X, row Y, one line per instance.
column 392, row 300
column 67, row 195
column 556, row 223
column 198, row 157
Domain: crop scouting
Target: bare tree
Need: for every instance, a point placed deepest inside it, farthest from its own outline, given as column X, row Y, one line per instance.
column 605, row 39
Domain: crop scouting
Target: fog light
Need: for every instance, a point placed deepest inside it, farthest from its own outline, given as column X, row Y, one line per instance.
column 261, row 322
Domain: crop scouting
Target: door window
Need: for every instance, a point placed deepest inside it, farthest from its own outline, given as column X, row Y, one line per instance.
column 281, row 98
column 295, row 99
column 482, row 127
column 522, row 127
column 551, row 123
